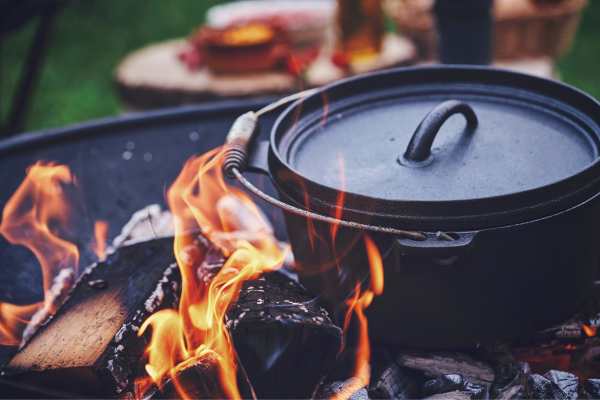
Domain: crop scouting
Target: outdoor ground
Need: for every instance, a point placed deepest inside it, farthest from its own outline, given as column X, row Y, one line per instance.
column 91, row 36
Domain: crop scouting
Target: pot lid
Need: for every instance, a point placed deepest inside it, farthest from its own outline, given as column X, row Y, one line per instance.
column 443, row 134
column 513, row 146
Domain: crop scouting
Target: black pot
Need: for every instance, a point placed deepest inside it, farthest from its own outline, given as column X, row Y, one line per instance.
column 508, row 201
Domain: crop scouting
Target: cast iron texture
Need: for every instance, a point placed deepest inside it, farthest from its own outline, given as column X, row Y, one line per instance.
column 518, row 262
column 471, row 202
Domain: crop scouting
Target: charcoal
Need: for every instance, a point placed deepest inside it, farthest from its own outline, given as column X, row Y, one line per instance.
column 539, row 387
column 453, row 382
column 443, row 384
column 592, row 388
column 567, row 382
column 395, row 382
column 454, row 395
column 515, row 392
column 511, row 382
column 435, row 364
column 278, row 330
column 476, row 390
column 349, row 389
column 91, row 346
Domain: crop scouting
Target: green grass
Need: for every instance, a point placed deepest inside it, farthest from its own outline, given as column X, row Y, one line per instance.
column 89, row 39
column 581, row 66
column 91, row 36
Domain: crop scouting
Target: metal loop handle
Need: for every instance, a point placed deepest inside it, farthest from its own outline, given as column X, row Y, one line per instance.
column 237, row 145
column 419, row 147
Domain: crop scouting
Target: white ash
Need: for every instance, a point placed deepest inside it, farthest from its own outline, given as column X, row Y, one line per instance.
column 54, row 298
column 157, row 297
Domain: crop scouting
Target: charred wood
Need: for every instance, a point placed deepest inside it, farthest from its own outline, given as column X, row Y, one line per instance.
column 434, row 364
column 91, row 346
column 339, row 380
column 510, row 374
column 196, row 380
column 278, row 330
column 454, row 395
column 539, row 387
column 350, row 389
column 567, row 382
column 443, row 384
column 512, row 382
column 454, row 382
column 591, row 389
column 390, row 381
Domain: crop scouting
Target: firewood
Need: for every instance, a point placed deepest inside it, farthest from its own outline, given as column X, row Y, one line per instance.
column 451, row 382
column 91, row 347
column 591, row 388
column 539, row 387
column 199, row 380
column 284, row 339
column 390, row 381
column 349, row 389
column 510, row 375
column 434, row 364
column 567, row 382
column 511, row 382
column 454, row 395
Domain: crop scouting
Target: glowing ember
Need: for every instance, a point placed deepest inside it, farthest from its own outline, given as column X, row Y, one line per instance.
column 200, row 200
column 589, row 330
column 39, row 208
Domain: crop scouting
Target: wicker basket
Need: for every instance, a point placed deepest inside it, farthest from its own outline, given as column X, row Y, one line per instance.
column 522, row 28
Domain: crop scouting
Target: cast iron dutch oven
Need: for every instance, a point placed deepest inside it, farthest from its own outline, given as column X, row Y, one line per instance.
column 497, row 171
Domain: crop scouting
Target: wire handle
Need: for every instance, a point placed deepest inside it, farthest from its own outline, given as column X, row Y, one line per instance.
column 237, row 143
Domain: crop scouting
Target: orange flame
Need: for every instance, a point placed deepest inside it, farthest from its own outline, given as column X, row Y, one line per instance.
column 201, row 201
column 589, row 330
column 37, row 210
column 357, row 305
column 100, row 239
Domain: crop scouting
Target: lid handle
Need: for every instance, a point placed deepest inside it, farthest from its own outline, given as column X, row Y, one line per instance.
column 419, row 147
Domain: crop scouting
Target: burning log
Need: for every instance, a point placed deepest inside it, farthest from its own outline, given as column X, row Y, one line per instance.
column 91, row 346
column 435, row 364
column 279, row 329
column 199, row 380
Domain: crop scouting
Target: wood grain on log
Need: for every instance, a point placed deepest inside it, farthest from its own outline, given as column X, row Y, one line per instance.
column 154, row 77
column 91, row 347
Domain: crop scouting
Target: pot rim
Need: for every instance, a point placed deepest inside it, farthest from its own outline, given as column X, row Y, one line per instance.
column 490, row 211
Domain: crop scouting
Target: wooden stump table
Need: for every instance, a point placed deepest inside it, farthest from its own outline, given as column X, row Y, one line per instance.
column 154, row 77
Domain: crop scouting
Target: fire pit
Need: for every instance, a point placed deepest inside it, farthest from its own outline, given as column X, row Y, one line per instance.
column 218, row 311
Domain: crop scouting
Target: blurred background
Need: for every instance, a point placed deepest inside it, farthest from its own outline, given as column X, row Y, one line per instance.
column 84, row 42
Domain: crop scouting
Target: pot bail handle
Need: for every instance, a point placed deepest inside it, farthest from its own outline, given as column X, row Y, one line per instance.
column 419, row 147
